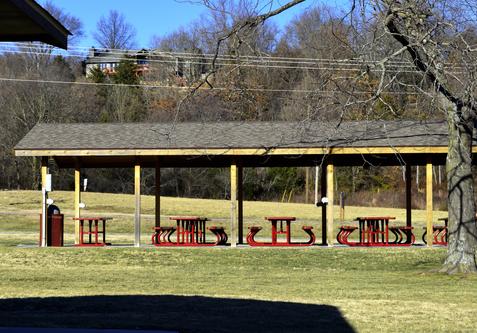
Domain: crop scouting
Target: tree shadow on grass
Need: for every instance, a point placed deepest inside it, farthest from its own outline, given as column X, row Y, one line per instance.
column 175, row 313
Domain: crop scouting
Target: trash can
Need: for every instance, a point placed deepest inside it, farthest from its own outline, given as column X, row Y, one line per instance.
column 54, row 226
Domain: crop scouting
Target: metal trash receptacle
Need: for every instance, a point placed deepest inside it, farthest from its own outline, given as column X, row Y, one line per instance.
column 54, row 227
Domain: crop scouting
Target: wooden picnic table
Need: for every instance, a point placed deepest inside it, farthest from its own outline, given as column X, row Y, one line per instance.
column 280, row 225
column 374, row 231
column 190, row 231
column 93, row 231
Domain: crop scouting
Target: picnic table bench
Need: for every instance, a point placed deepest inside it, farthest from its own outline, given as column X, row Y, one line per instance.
column 439, row 233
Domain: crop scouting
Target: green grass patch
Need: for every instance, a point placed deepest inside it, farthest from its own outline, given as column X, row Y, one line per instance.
column 370, row 289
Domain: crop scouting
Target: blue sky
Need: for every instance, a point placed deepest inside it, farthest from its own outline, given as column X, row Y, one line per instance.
column 151, row 17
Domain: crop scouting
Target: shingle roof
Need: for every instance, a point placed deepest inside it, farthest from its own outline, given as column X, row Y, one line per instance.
column 235, row 135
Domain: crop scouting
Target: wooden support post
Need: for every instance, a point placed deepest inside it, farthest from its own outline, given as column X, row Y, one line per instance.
column 77, row 200
column 158, row 195
column 408, row 176
column 240, row 204
column 429, row 205
column 137, row 214
column 307, row 184
column 330, row 194
column 342, row 207
column 233, row 205
column 323, row 208
column 44, row 197
column 317, row 170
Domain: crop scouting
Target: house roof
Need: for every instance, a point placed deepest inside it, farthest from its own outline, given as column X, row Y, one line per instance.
column 234, row 135
column 25, row 20
column 99, row 56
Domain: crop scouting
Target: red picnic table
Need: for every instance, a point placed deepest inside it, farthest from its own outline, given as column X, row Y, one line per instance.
column 277, row 229
column 93, row 231
column 374, row 231
column 190, row 231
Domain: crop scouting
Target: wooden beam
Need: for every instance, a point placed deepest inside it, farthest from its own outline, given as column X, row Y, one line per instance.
column 330, row 207
column 158, row 195
column 429, row 204
column 408, row 177
column 235, row 151
column 240, row 203
column 323, row 208
column 233, row 205
column 77, row 200
column 44, row 196
column 137, row 213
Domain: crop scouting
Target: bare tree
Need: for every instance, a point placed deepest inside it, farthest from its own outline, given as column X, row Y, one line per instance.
column 437, row 37
column 114, row 32
column 406, row 46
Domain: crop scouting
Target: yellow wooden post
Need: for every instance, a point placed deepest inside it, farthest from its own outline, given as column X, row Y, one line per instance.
column 408, row 178
column 137, row 214
column 44, row 171
column 329, row 208
column 77, row 200
column 240, row 204
column 429, row 205
column 44, row 195
column 233, row 204
column 307, row 184
column 158, row 195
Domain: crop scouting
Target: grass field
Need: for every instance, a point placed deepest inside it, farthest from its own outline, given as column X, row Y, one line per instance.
column 315, row 289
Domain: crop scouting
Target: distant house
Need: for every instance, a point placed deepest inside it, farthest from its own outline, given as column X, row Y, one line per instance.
column 161, row 66
column 108, row 60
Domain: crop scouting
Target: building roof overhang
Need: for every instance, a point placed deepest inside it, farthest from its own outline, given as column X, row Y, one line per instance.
column 25, row 20
column 251, row 143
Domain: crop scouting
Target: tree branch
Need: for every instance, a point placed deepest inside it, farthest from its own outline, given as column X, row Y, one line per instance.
column 420, row 64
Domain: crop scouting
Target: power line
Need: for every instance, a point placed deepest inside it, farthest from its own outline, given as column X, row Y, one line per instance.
column 306, row 91
column 223, row 57
column 357, row 67
column 207, row 55
column 273, row 59
column 350, row 64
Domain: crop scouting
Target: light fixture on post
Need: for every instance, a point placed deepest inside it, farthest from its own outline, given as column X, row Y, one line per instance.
column 322, row 202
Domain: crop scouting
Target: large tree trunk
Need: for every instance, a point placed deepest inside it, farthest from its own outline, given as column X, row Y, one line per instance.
column 462, row 222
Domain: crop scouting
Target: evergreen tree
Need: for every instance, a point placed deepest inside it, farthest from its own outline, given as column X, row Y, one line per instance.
column 126, row 73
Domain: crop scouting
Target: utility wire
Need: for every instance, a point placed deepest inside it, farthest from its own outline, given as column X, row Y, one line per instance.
column 352, row 67
column 266, row 58
column 230, row 58
column 207, row 55
column 306, row 91
column 344, row 64
column 210, row 56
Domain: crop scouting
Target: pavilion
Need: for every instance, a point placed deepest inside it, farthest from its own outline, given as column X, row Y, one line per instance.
column 238, row 145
